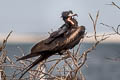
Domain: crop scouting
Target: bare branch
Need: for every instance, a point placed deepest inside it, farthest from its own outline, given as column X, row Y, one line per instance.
column 94, row 23
column 5, row 41
column 116, row 31
column 114, row 4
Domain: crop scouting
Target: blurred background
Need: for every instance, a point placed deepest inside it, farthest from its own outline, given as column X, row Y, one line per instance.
column 31, row 21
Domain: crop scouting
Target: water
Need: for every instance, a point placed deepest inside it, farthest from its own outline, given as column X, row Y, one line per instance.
column 99, row 67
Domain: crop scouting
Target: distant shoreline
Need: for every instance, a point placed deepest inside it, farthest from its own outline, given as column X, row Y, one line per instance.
column 33, row 38
column 23, row 38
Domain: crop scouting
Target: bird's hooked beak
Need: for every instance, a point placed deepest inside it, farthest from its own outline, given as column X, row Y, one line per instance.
column 72, row 15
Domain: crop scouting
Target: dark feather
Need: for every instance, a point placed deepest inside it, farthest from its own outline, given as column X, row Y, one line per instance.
column 28, row 56
column 61, row 43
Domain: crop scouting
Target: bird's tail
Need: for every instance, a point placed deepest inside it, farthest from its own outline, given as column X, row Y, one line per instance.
column 40, row 59
column 29, row 56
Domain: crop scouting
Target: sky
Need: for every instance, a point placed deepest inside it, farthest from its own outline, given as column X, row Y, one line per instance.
column 43, row 15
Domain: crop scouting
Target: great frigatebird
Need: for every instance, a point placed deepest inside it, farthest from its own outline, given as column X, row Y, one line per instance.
column 60, row 44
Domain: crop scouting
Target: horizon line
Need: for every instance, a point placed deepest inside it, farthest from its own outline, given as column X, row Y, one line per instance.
column 31, row 38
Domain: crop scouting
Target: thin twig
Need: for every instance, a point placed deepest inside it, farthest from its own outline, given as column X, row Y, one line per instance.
column 115, row 5
column 94, row 23
column 5, row 41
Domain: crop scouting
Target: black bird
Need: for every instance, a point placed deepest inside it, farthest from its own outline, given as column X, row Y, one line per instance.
column 66, row 37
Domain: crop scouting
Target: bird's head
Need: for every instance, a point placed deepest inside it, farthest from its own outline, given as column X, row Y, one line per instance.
column 66, row 14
